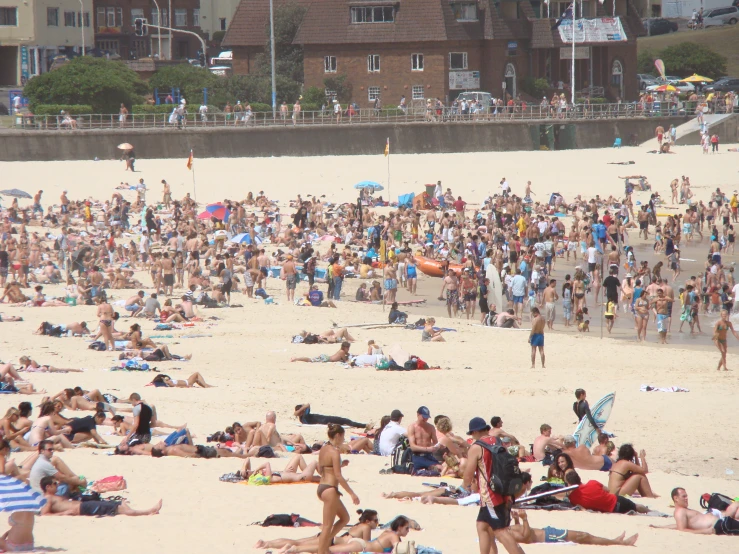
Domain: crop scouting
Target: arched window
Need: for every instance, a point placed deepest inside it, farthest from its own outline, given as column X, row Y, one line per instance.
column 510, row 80
column 617, row 77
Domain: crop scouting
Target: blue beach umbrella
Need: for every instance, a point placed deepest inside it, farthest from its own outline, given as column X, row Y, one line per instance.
column 369, row 185
column 16, row 496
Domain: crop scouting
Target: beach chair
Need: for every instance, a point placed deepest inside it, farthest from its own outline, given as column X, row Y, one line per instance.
column 617, row 142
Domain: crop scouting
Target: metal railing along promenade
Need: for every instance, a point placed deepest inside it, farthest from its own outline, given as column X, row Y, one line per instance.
column 351, row 117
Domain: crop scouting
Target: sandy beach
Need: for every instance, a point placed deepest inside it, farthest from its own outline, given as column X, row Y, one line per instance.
column 484, row 371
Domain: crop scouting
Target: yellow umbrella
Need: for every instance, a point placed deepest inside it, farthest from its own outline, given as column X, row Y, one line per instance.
column 665, row 88
column 695, row 78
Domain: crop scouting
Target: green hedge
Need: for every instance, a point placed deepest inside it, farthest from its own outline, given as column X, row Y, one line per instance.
column 56, row 109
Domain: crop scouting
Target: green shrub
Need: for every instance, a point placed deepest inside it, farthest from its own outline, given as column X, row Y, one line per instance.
column 55, row 109
column 535, row 87
column 260, row 107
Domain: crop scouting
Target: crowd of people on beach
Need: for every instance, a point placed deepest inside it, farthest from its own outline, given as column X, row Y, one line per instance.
column 500, row 258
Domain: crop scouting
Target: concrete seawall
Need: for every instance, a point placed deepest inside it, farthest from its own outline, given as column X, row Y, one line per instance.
column 411, row 138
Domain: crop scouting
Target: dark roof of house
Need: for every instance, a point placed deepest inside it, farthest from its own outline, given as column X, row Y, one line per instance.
column 249, row 24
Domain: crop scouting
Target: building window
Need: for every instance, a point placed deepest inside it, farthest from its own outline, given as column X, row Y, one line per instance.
column 373, row 63
column 196, row 17
column 512, row 48
column 109, row 17
column 52, row 17
column 155, row 20
column 329, row 64
column 373, row 93
column 617, row 72
column 223, row 24
column 457, row 60
column 373, row 14
column 137, row 13
column 109, row 46
column 465, row 11
column 416, row 62
column 69, row 18
column 8, row 17
column 80, row 17
column 418, row 92
column 180, row 18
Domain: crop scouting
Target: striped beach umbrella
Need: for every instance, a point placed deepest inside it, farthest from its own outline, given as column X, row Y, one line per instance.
column 16, row 496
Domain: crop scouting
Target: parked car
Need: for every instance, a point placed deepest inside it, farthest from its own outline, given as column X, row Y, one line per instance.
column 721, row 16
column 484, row 97
column 724, row 84
column 659, row 26
column 675, row 82
column 645, row 80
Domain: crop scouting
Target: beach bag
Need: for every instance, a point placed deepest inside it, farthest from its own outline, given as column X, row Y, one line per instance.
column 715, row 501
column 506, row 475
column 382, row 363
column 402, row 457
column 97, row 345
column 407, row 547
column 288, row 520
column 109, row 484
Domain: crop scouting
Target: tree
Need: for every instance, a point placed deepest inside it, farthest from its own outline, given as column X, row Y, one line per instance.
column 340, row 86
column 191, row 80
column 687, row 58
column 288, row 56
column 645, row 62
column 101, row 83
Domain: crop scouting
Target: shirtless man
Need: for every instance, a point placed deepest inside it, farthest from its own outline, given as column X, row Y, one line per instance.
column 524, row 534
column 550, row 297
column 423, row 441
column 670, row 295
column 692, row 521
column 268, row 435
column 341, row 356
column 451, row 285
column 166, row 194
column 660, row 306
column 582, row 458
column 496, row 430
column 135, row 303
column 659, row 132
column 167, row 274
column 536, row 337
column 60, row 506
column 161, row 449
column 290, row 275
column 78, row 328
column 545, row 441
column 264, row 264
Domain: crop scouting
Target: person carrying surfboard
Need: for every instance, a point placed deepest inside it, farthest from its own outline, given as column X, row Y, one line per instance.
column 582, row 408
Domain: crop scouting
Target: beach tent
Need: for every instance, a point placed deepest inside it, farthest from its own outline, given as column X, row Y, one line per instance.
column 406, row 200
column 421, row 202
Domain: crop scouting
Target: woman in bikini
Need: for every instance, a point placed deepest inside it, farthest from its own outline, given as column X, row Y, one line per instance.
column 641, row 316
column 578, row 290
column 386, row 542
column 31, row 365
column 469, row 292
column 105, row 317
column 329, row 467
column 45, row 429
column 627, row 292
column 194, row 379
column 297, row 470
column 368, row 521
column 562, row 464
column 720, row 332
column 627, row 477
column 13, row 434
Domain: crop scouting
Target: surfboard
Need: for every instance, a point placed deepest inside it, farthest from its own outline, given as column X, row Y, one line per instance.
column 496, row 288
column 601, row 410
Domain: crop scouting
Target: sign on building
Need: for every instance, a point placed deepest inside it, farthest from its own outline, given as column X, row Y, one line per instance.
column 603, row 29
column 462, row 80
column 581, row 53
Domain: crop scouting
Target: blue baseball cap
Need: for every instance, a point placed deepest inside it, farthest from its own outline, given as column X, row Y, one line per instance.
column 424, row 412
column 478, row 424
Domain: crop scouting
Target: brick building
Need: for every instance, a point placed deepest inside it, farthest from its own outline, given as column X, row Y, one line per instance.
column 436, row 48
column 114, row 28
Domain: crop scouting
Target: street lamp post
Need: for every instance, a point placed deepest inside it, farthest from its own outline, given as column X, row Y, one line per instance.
column 82, row 25
column 169, row 24
column 159, row 33
column 272, row 48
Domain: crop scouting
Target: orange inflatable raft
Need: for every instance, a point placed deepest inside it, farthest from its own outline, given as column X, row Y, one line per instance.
column 434, row 268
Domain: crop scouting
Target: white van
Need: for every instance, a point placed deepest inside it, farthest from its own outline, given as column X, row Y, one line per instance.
column 484, row 97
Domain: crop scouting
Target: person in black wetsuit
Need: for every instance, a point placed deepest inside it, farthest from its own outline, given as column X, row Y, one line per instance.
column 582, row 408
column 302, row 412
column 80, row 429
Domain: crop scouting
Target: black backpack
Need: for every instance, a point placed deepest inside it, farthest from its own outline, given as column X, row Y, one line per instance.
column 506, row 476
column 715, row 501
column 402, row 457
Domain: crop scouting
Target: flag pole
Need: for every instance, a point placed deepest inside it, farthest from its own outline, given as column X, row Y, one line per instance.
column 388, row 169
column 572, row 83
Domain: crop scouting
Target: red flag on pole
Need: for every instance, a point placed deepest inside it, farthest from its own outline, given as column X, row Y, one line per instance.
column 189, row 161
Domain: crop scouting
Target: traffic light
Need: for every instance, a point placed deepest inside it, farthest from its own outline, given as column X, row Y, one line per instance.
column 140, row 27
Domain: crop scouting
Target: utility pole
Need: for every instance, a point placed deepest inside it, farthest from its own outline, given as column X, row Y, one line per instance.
column 272, row 49
column 159, row 35
column 142, row 31
column 82, row 25
column 169, row 26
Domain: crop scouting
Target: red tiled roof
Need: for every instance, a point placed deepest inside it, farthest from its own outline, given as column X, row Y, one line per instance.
column 249, row 24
